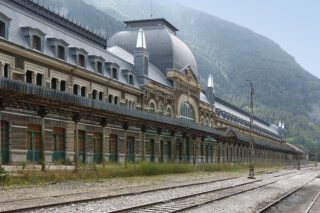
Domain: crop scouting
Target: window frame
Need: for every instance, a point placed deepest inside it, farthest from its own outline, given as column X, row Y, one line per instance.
column 6, row 21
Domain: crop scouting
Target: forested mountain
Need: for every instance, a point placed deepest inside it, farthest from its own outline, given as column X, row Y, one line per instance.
column 284, row 90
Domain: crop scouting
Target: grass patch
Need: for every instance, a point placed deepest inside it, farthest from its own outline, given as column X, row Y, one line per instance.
column 95, row 172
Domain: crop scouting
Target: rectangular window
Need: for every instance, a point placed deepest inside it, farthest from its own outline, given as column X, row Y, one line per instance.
column 62, row 85
column 39, row 78
column 99, row 67
column 100, row 96
column 94, row 94
column 36, row 42
column 114, row 73
column 54, row 83
column 61, row 52
column 6, row 71
column 2, row 29
column 82, row 60
column 83, row 91
column 131, row 79
column 29, row 76
column 75, row 89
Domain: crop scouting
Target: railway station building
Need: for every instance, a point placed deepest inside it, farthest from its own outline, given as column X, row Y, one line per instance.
column 70, row 95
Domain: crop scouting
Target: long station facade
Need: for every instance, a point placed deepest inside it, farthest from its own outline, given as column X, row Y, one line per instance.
column 70, row 95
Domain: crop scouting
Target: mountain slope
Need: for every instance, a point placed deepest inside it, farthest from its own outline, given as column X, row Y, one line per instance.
column 285, row 91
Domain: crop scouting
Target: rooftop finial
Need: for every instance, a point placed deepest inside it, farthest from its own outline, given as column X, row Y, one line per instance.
column 141, row 40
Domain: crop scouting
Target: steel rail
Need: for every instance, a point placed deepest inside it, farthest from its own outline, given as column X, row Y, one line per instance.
column 312, row 203
column 103, row 197
column 266, row 208
column 141, row 207
column 111, row 196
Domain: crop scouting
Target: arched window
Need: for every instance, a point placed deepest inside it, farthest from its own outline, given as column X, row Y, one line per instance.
column 169, row 112
column 36, row 43
column 161, row 111
column 186, row 112
column 152, row 108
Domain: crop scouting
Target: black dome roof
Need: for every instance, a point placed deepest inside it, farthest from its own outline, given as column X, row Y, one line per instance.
column 166, row 50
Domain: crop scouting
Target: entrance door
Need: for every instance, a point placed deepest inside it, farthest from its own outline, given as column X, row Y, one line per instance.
column 207, row 154
column 82, row 145
column 188, row 150
column 34, row 142
column 151, row 150
column 97, row 147
column 58, row 144
column 180, row 151
column 130, row 149
column 169, row 150
column 4, row 142
column 161, row 151
column 113, row 147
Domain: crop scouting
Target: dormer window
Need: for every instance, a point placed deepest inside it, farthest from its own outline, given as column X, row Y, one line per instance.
column 61, row 52
column 114, row 73
column 34, row 37
column 2, row 29
column 97, row 63
column 112, row 70
column 99, row 67
column 81, row 60
column 130, row 79
column 59, row 48
column 36, row 42
column 4, row 25
column 80, row 56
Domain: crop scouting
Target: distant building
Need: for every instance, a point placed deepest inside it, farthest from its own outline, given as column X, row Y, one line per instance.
column 68, row 94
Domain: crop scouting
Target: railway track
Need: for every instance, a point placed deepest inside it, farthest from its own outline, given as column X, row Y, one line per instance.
column 64, row 197
column 313, row 207
column 188, row 202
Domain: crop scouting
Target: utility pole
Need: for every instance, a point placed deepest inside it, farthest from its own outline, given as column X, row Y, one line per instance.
column 251, row 155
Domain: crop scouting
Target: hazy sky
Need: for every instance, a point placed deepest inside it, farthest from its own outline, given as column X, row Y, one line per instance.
column 293, row 24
